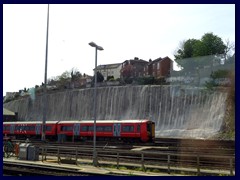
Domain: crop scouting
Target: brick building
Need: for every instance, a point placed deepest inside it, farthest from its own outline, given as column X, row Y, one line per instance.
column 160, row 67
column 133, row 68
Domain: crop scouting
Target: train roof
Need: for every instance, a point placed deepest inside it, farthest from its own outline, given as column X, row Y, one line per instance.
column 105, row 121
column 31, row 122
column 80, row 121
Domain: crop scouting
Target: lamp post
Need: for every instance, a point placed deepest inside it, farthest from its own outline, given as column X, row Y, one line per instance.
column 95, row 162
column 45, row 85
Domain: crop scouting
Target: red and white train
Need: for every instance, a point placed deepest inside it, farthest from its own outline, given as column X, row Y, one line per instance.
column 126, row 130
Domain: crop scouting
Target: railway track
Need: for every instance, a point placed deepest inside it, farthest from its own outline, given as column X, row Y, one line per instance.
column 23, row 169
column 175, row 142
column 168, row 145
column 207, row 154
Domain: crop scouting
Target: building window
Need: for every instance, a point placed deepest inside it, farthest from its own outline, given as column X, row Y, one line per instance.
column 158, row 65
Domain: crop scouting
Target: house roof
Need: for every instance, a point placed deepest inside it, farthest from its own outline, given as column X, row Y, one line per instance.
column 154, row 61
column 136, row 61
column 108, row 66
column 7, row 112
column 158, row 59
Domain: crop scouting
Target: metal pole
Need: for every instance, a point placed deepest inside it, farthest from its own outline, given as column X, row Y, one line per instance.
column 45, row 85
column 95, row 163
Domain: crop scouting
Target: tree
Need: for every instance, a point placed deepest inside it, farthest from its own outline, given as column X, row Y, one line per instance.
column 209, row 44
column 230, row 47
column 75, row 74
column 100, row 78
column 186, row 49
column 65, row 76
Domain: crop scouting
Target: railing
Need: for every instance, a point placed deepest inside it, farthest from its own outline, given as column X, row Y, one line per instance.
column 169, row 162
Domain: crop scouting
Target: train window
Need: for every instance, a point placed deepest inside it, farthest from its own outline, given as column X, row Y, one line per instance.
column 99, row 128
column 108, row 128
column 127, row 128
column 66, row 128
column 84, row 128
column 32, row 128
column 138, row 128
column 48, row 128
column 90, row 128
column 6, row 128
column 148, row 127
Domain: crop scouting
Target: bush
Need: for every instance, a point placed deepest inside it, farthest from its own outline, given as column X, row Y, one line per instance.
column 110, row 77
column 161, row 81
column 145, row 80
column 128, row 80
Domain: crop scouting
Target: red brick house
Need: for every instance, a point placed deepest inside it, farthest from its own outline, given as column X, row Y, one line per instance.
column 160, row 67
column 133, row 68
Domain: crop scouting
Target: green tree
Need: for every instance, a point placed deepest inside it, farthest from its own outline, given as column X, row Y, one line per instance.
column 209, row 44
column 186, row 49
column 65, row 76
column 75, row 74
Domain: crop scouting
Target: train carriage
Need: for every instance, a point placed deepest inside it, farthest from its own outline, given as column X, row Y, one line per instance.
column 126, row 130
column 33, row 129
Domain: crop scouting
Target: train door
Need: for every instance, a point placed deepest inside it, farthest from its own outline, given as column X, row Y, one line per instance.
column 151, row 130
column 12, row 128
column 76, row 129
column 38, row 129
column 116, row 130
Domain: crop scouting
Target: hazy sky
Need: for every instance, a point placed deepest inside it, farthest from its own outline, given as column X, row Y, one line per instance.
column 124, row 31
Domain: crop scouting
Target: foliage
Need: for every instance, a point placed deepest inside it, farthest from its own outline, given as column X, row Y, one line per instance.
column 71, row 75
column 145, row 80
column 100, row 78
column 161, row 81
column 110, row 77
column 75, row 74
column 209, row 44
column 216, row 76
column 220, row 74
column 229, row 120
column 65, row 76
column 128, row 80
column 187, row 49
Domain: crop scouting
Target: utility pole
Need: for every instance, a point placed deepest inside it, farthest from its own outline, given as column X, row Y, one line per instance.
column 45, row 85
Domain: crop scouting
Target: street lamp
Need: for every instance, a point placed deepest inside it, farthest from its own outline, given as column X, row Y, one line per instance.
column 45, row 85
column 95, row 163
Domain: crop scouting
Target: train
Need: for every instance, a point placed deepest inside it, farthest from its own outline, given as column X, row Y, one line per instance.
column 136, row 130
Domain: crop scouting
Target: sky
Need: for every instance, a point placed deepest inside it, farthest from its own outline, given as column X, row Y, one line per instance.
column 125, row 31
